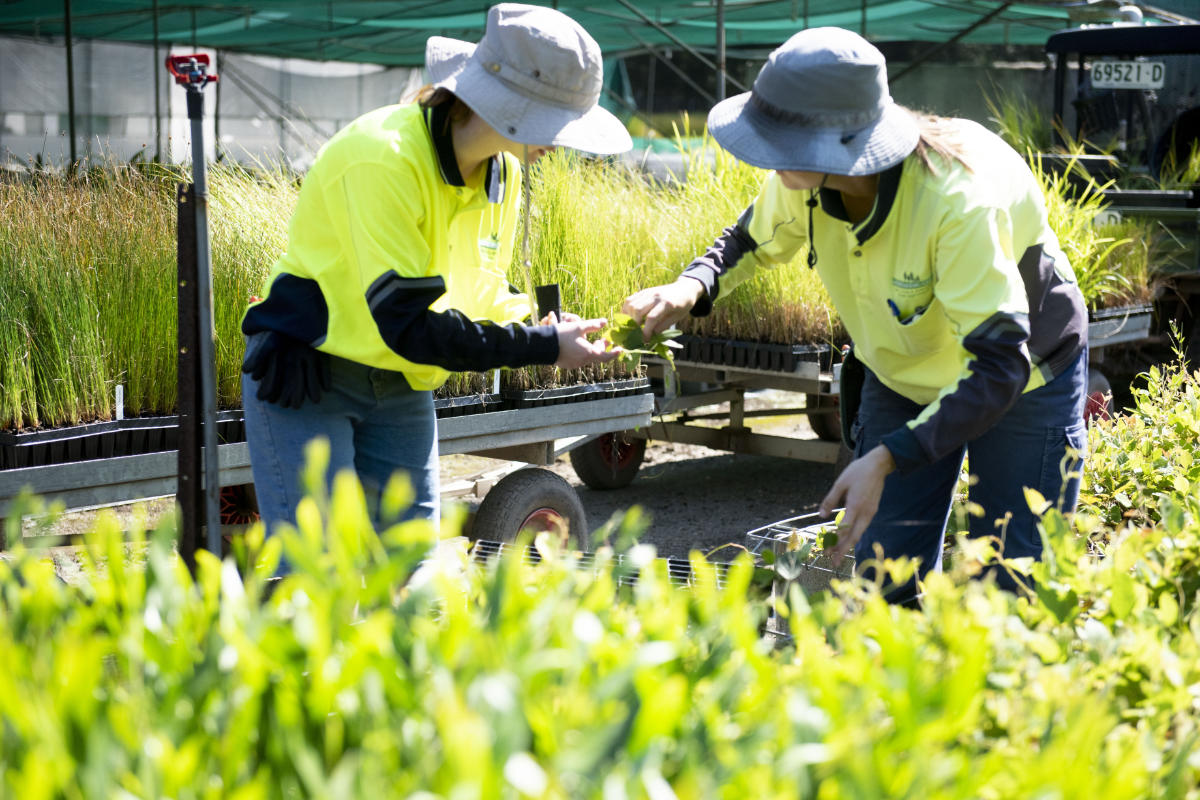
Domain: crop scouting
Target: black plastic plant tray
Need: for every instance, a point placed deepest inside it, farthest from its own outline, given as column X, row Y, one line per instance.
column 94, row 440
column 579, row 393
column 466, row 404
column 753, row 355
column 1151, row 198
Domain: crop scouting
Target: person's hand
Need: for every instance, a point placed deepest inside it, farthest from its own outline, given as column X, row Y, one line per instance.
column 575, row 349
column 288, row 371
column 552, row 318
column 660, row 307
column 858, row 488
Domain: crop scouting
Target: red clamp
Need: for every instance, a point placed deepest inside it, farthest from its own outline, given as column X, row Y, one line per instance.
column 191, row 70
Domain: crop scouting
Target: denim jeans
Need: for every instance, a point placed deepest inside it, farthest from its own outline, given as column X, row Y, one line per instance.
column 376, row 425
column 1027, row 447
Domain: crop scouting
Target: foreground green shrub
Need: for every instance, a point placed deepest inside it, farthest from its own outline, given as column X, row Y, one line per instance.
column 384, row 667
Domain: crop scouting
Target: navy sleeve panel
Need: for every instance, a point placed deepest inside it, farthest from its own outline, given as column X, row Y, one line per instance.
column 448, row 339
column 1058, row 316
column 725, row 253
column 294, row 306
column 905, row 449
column 997, row 375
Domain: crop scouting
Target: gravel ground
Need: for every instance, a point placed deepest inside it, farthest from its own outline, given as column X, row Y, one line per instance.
column 694, row 497
column 698, row 498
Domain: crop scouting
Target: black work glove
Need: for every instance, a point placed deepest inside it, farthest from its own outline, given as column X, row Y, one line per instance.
column 287, row 370
column 853, row 375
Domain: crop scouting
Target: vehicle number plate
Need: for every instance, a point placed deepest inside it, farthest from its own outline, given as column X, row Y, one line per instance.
column 1128, row 74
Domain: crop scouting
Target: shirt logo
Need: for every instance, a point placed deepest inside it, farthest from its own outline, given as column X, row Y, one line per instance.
column 910, row 281
column 489, row 246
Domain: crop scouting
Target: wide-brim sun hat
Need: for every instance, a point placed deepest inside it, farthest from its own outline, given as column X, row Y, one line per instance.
column 820, row 104
column 535, row 76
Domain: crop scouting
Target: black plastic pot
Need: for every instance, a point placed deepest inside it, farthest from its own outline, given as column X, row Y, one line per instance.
column 125, row 437
column 580, row 393
column 467, row 404
column 753, row 355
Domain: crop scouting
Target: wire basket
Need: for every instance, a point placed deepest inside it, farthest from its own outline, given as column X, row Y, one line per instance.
column 813, row 573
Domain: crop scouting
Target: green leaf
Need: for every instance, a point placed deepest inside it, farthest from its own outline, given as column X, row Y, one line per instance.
column 1123, row 597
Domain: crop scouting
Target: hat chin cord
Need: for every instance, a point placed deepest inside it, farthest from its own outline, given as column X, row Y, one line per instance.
column 811, row 202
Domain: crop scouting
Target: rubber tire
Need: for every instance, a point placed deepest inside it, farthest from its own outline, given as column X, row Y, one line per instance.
column 1099, row 402
column 600, row 468
column 238, row 504
column 519, row 495
column 827, row 427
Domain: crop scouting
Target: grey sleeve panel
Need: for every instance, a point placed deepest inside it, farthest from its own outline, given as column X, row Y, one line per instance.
column 724, row 254
column 997, row 375
column 1057, row 314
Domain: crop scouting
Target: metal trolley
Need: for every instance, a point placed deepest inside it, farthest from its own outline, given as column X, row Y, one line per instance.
column 531, row 436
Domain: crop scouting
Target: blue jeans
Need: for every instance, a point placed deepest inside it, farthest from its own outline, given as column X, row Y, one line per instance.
column 376, row 425
column 1027, row 447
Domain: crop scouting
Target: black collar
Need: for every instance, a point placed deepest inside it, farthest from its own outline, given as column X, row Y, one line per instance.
column 889, row 184
column 437, row 119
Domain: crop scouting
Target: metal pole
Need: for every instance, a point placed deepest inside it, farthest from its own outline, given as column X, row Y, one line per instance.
column 157, row 75
column 217, row 108
column 686, row 47
column 683, row 76
column 931, row 52
column 720, row 50
column 70, row 77
column 207, row 354
column 862, row 24
column 189, row 494
column 192, row 73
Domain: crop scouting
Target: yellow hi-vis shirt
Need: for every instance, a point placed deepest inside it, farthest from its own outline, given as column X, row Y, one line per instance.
column 954, row 288
column 377, row 214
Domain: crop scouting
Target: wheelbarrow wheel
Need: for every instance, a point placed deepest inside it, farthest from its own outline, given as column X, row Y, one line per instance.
column 825, row 423
column 610, row 461
column 1099, row 403
column 534, row 500
column 238, row 504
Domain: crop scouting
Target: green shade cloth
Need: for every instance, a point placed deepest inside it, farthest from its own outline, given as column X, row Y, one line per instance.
column 393, row 32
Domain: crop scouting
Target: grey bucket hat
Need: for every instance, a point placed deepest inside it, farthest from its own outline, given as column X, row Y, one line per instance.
column 820, row 104
column 535, row 77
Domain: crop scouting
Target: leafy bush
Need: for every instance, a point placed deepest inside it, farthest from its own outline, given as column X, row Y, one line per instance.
column 385, row 665
column 1149, row 455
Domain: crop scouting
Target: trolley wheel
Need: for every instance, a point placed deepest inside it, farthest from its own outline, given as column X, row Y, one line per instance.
column 535, row 500
column 610, row 461
column 238, row 504
column 1099, row 403
column 827, row 425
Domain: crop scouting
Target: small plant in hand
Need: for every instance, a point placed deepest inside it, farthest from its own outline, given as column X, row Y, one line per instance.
column 626, row 333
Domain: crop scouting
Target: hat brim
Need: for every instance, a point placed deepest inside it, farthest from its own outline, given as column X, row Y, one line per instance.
column 516, row 116
column 748, row 134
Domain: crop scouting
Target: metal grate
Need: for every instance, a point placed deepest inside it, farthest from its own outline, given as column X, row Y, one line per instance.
column 679, row 570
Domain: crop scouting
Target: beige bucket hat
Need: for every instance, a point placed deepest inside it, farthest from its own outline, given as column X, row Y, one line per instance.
column 535, row 77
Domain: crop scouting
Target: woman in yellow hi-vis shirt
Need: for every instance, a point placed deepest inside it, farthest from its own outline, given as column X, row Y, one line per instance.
column 932, row 238
column 395, row 271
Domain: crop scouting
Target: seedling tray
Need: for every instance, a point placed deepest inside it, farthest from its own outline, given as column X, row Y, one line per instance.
column 753, row 355
column 467, row 404
column 580, row 393
column 125, row 437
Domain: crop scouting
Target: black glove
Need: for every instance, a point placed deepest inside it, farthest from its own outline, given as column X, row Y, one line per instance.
column 287, row 370
column 853, row 375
